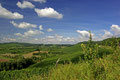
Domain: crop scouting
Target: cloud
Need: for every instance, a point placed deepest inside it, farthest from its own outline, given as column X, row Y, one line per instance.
column 41, row 1
column 23, row 25
column 49, row 13
column 107, row 34
column 69, row 39
column 50, row 37
column 36, row 39
column 4, row 13
column 18, row 34
column 7, row 39
column 25, row 4
column 33, row 32
column 116, row 29
column 83, row 33
column 41, row 27
column 49, row 30
column 58, row 36
column 58, row 39
column 29, row 33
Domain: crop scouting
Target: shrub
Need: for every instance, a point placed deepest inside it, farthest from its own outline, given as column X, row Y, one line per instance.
column 12, row 65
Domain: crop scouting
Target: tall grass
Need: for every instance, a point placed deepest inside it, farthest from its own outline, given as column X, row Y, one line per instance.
column 106, row 68
column 98, row 63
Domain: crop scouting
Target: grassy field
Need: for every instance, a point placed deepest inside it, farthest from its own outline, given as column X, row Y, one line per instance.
column 107, row 68
column 82, row 61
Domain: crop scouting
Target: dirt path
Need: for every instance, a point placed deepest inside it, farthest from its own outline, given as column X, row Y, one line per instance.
column 29, row 55
column 9, row 54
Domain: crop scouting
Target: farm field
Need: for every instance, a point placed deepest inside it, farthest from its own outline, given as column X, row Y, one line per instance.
column 89, row 60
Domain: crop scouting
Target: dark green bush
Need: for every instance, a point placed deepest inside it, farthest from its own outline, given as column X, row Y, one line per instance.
column 104, row 51
column 12, row 65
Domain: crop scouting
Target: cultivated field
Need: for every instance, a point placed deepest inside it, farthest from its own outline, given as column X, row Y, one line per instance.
column 83, row 61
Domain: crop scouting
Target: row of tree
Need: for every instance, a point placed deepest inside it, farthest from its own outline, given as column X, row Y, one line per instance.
column 12, row 65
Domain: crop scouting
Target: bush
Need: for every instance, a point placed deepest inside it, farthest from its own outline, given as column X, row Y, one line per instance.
column 12, row 65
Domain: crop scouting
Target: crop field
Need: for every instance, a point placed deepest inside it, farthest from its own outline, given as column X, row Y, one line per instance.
column 82, row 61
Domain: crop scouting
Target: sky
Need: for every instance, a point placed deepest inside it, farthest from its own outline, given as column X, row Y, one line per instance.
column 58, row 21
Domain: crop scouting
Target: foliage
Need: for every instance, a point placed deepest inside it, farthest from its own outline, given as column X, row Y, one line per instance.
column 90, row 50
column 84, row 61
column 100, row 69
column 111, row 42
column 12, row 65
column 23, row 74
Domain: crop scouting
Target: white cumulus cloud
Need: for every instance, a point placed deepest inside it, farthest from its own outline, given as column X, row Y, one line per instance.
column 4, row 13
column 107, row 34
column 83, row 33
column 7, row 39
column 41, row 1
column 116, row 29
column 50, row 37
column 48, row 12
column 23, row 25
column 57, row 39
column 18, row 34
column 29, row 33
column 49, row 30
column 41, row 27
column 25, row 4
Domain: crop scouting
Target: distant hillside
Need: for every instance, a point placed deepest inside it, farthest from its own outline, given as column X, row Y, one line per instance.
column 108, row 41
column 103, row 42
column 15, row 44
column 94, row 42
column 111, row 41
column 29, row 44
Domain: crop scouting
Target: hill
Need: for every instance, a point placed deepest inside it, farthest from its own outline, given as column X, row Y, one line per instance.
column 66, row 62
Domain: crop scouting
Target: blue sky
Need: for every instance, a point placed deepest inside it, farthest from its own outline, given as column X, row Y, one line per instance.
column 69, row 20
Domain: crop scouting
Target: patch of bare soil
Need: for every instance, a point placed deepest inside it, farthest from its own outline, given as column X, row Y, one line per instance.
column 9, row 54
column 4, row 60
column 29, row 55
